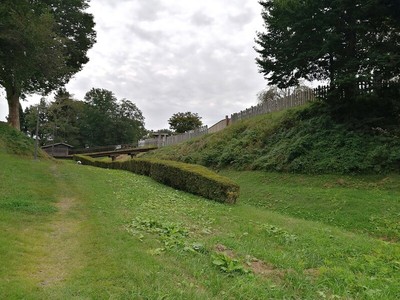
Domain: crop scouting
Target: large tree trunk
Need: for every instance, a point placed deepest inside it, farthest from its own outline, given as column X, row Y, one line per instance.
column 13, row 108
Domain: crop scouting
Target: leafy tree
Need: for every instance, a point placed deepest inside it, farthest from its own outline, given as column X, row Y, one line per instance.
column 109, row 121
column 274, row 93
column 59, row 121
column 340, row 41
column 100, row 112
column 129, row 125
column 184, row 121
column 42, row 44
column 31, row 116
column 65, row 117
column 165, row 130
column 21, row 117
column 99, row 120
column 271, row 93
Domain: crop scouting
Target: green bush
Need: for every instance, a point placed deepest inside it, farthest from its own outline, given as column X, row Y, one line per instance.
column 194, row 179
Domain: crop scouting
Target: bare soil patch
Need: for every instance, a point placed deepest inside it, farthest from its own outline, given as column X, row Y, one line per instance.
column 256, row 265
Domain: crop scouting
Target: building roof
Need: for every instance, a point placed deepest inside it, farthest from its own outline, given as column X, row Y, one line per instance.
column 57, row 144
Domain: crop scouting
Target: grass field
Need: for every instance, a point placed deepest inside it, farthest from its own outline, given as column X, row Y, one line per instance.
column 74, row 232
column 362, row 204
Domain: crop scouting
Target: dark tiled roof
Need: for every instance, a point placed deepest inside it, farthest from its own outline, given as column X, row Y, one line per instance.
column 57, row 144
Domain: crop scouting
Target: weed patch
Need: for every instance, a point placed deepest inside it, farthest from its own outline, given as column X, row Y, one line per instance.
column 279, row 233
column 228, row 264
column 173, row 236
column 387, row 228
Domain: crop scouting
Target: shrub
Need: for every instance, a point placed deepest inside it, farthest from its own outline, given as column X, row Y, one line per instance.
column 194, row 179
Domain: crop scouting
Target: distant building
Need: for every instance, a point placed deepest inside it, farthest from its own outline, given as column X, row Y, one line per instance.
column 57, row 149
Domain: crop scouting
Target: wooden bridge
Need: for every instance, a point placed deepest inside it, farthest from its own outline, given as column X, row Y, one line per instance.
column 115, row 153
column 111, row 153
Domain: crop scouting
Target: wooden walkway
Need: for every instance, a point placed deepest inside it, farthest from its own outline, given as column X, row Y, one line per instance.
column 113, row 154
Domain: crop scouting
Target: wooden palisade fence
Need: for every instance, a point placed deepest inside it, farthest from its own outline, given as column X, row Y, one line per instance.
column 296, row 99
column 362, row 88
column 293, row 100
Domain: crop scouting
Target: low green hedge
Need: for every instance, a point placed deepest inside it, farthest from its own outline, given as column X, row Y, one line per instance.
column 194, row 179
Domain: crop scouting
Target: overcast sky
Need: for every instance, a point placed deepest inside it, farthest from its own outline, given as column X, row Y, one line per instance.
column 171, row 56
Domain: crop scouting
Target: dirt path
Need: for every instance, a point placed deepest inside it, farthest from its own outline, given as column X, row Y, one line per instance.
column 61, row 242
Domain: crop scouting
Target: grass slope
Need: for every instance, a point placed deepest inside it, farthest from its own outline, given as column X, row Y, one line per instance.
column 69, row 231
column 75, row 232
column 15, row 142
column 302, row 140
column 361, row 204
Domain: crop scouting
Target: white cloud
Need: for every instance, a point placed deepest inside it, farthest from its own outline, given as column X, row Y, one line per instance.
column 174, row 55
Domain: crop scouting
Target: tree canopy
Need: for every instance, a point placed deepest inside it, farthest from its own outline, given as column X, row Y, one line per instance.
column 42, row 44
column 274, row 93
column 184, row 121
column 343, row 42
column 110, row 121
column 98, row 121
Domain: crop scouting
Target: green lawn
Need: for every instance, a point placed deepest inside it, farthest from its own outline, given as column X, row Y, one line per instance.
column 362, row 204
column 74, row 232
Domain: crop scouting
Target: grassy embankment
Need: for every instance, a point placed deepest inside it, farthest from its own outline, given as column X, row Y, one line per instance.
column 301, row 140
column 76, row 232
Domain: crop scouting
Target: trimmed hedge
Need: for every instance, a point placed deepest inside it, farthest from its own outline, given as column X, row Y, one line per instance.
column 190, row 178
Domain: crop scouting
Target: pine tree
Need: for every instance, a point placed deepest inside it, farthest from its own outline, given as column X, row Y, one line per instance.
column 341, row 41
